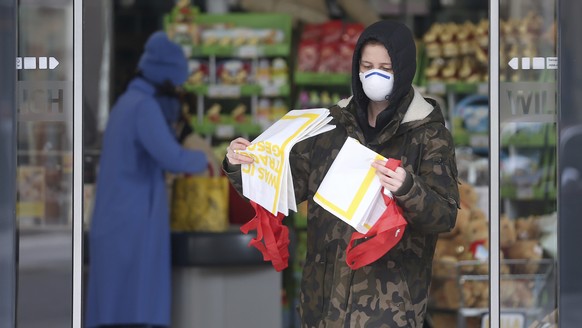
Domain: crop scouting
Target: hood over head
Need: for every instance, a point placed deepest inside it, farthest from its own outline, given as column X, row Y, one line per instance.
column 163, row 60
column 399, row 41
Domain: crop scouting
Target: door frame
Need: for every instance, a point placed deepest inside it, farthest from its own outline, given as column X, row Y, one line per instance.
column 569, row 102
column 77, row 316
column 8, row 238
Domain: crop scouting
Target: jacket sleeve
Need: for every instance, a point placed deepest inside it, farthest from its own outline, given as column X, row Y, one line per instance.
column 233, row 173
column 431, row 203
column 155, row 136
column 299, row 160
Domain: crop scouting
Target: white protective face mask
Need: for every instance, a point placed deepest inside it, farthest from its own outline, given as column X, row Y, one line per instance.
column 377, row 84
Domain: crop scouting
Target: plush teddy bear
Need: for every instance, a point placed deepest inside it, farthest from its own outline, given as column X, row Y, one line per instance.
column 448, row 253
column 527, row 228
column 507, row 236
column 516, row 293
column 526, row 245
column 467, row 241
column 468, row 199
column 529, row 250
column 476, row 235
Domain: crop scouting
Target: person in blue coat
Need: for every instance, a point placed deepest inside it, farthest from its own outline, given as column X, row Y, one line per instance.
column 129, row 241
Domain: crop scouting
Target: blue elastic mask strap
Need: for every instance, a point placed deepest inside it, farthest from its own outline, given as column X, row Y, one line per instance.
column 387, row 77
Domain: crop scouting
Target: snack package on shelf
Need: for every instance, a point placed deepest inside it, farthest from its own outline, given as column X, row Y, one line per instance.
column 346, row 46
column 279, row 72
column 198, row 72
column 308, row 51
column 182, row 29
column 328, row 47
column 458, row 52
column 234, row 71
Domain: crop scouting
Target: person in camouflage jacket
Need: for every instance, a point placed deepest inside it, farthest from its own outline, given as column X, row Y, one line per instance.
column 392, row 291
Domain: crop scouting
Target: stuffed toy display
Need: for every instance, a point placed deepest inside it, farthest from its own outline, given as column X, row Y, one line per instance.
column 461, row 260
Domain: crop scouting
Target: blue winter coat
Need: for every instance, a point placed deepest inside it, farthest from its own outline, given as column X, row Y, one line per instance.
column 129, row 262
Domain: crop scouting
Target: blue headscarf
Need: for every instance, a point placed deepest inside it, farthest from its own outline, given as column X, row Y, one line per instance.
column 164, row 65
column 163, row 60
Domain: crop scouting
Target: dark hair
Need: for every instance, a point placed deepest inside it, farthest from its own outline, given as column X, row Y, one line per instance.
column 373, row 42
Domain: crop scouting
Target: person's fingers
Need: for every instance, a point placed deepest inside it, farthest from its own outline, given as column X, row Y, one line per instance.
column 391, row 180
column 239, row 143
column 401, row 173
column 380, row 167
column 234, row 157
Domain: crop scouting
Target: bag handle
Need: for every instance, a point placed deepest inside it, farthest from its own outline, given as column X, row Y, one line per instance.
column 272, row 236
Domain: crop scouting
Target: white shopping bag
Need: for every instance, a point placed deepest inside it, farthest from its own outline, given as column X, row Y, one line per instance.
column 268, row 180
column 351, row 190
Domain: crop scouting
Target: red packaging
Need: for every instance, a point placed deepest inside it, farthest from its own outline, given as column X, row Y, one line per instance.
column 308, row 52
column 308, row 56
column 311, row 32
column 349, row 38
column 329, row 47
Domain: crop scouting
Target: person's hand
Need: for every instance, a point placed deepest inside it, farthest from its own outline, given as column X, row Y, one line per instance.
column 235, row 158
column 390, row 180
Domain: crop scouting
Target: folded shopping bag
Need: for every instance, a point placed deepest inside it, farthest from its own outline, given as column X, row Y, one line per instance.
column 350, row 189
column 268, row 181
column 365, row 248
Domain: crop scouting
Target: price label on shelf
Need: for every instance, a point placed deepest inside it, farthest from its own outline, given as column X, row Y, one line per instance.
column 224, row 131
column 438, row 88
column 479, row 141
column 225, row 91
column 187, row 50
column 271, row 90
column 512, row 320
column 525, row 192
column 250, row 51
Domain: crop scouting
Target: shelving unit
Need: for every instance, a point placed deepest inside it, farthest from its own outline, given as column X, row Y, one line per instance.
column 236, row 46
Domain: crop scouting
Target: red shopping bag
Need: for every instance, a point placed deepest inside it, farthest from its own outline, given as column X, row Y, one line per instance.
column 272, row 236
column 383, row 235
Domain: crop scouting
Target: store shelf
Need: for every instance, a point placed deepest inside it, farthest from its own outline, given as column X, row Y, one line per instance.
column 245, row 90
column 226, row 127
column 234, row 47
column 324, row 79
column 442, row 88
column 214, row 249
column 529, row 193
column 474, row 140
column 523, row 140
column 244, row 51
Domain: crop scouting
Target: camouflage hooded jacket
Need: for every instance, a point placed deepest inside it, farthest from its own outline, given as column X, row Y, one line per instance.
column 392, row 291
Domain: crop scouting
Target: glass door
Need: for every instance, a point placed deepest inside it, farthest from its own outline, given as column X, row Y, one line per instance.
column 48, row 202
column 523, row 187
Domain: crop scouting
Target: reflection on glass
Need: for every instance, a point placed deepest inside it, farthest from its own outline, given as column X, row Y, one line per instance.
column 528, row 236
column 457, row 66
column 44, row 163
